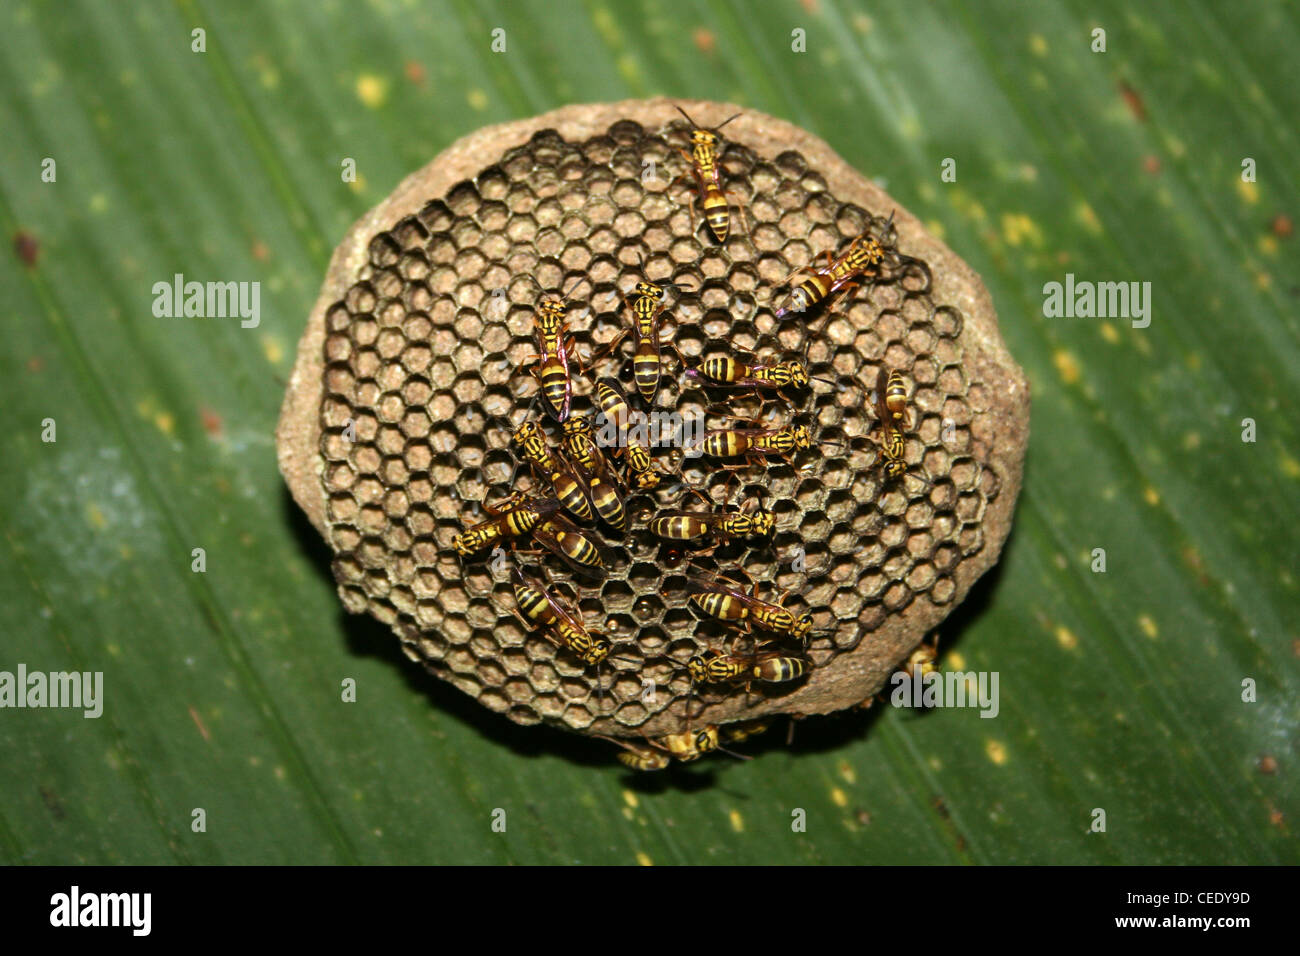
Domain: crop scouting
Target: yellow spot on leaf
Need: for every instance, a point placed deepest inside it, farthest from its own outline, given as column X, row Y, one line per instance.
column 95, row 517
column 271, row 348
column 630, row 799
column 1268, row 245
column 955, row 661
column 1262, row 280
column 1038, row 44
column 606, row 27
column 628, row 69
column 1017, row 227
column 996, row 751
column 1109, row 333
column 643, row 860
column 847, row 772
column 98, row 203
column 1249, row 192
column 1151, row 496
column 372, row 90
column 1065, row 637
column 737, row 821
column 1148, row 626
column 1191, row 441
column 165, row 422
column 477, row 99
column 1067, row 366
column 359, row 184
column 1290, row 467
column 839, row 797
column 1087, row 218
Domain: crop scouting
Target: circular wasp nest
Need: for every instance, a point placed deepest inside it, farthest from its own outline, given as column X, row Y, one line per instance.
column 411, row 378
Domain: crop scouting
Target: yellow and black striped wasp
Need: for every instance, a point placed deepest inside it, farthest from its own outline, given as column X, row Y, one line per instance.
column 568, row 486
column 861, row 261
column 891, row 391
column 646, row 305
column 543, row 609
column 727, row 600
column 561, row 625
column 555, row 348
column 512, row 517
column 639, row 758
column 687, row 746
column 711, row 528
column 892, row 415
column 742, row 730
column 641, row 473
column 754, row 444
column 715, row 667
column 724, row 370
column 922, row 660
column 713, row 199
column 550, row 529
column 580, row 445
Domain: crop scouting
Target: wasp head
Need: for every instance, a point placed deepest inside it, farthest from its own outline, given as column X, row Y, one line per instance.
column 649, row 290
column 764, row 522
column 550, row 314
column 462, row 544
column 528, row 431
column 698, row 668
column 646, row 480
column 703, row 137
column 798, row 375
column 577, row 425
column 599, row 650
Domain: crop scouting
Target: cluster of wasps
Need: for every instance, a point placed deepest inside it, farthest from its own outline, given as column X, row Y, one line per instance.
column 587, row 485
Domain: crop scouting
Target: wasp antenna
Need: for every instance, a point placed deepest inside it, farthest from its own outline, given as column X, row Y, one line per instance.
column 725, row 122
column 576, row 282
column 688, row 118
column 828, row 381
column 533, row 279
column 732, row 753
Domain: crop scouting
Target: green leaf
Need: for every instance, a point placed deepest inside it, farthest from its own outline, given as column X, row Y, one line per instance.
column 1120, row 691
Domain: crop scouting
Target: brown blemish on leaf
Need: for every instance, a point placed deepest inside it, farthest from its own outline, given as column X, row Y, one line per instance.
column 1133, row 100
column 26, row 248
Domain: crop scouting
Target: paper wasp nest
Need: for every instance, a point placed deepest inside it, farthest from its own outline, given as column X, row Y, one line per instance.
column 407, row 386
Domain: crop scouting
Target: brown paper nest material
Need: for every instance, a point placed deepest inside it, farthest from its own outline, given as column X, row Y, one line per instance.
column 860, row 673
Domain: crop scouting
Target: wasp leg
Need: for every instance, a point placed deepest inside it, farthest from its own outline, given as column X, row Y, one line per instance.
column 740, row 208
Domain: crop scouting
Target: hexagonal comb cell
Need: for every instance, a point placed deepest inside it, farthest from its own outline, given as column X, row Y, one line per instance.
column 423, row 385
